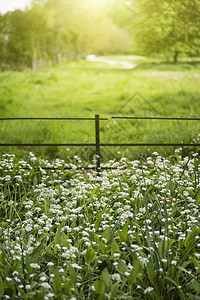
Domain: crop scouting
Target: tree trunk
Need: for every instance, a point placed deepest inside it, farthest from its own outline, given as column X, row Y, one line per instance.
column 176, row 56
column 58, row 57
column 33, row 64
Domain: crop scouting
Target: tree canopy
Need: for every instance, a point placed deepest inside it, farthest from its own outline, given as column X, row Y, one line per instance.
column 50, row 30
column 167, row 27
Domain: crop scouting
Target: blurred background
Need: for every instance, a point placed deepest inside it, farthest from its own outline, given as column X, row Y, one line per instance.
column 77, row 58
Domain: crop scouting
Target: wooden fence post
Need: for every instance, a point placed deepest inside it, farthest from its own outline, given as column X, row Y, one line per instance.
column 97, row 143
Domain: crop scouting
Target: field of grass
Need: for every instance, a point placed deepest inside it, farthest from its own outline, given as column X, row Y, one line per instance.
column 83, row 89
column 131, row 233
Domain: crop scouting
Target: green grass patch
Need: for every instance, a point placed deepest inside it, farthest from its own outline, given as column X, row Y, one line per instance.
column 83, row 89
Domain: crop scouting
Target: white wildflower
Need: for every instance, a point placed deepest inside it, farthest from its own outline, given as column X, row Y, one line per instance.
column 46, row 285
column 148, row 290
column 76, row 266
column 35, row 266
column 116, row 277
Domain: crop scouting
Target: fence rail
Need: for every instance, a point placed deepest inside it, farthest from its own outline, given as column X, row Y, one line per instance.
column 71, row 119
column 157, row 118
column 97, row 143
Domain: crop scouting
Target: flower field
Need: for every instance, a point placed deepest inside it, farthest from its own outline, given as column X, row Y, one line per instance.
column 131, row 233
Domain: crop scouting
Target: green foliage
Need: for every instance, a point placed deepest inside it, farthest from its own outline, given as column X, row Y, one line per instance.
column 52, row 30
column 99, row 287
column 169, row 28
column 136, row 251
column 90, row 255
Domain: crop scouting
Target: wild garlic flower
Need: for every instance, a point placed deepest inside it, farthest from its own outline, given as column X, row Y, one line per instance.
column 116, row 277
column 148, row 290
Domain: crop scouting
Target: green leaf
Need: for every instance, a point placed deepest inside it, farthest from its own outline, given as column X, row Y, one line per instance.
column 196, row 262
column 39, row 295
column 56, row 281
column 105, row 276
column 182, row 294
column 66, row 286
column 192, row 297
column 1, row 286
column 72, row 274
column 132, row 188
column 163, row 247
column 59, row 238
column 64, row 240
column 191, row 237
column 90, row 255
column 150, row 270
column 22, row 292
column 96, row 237
column 197, row 196
column 97, row 222
column 114, row 289
column 2, row 259
column 122, row 266
column 99, row 287
column 172, row 281
column 123, row 234
column 114, row 247
column 196, row 285
column 133, row 275
column 95, row 192
column 131, row 252
column 181, row 262
column 102, row 247
column 35, row 181
column 120, row 185
column 29, row 295
column 184, row 270
column 107, row 233
column 34, row 256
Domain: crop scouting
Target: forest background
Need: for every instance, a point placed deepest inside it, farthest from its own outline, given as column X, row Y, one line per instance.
column 49, row 30
column 45, row 73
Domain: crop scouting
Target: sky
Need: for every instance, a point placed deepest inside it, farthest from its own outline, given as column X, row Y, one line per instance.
column 9, row 5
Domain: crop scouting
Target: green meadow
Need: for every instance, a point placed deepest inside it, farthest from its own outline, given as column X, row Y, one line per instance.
column 85, row 88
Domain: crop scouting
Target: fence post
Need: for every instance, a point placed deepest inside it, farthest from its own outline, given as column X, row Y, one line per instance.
column 97, row 143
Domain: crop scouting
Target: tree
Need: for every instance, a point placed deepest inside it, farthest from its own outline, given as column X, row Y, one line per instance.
column 25, row 37
column 85, row 27
column 169, row 27
column 51, row 29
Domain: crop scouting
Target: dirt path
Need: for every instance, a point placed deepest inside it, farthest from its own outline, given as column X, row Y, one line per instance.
column 118, row 63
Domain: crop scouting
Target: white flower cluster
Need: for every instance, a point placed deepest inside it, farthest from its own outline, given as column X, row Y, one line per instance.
column 76, row 225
